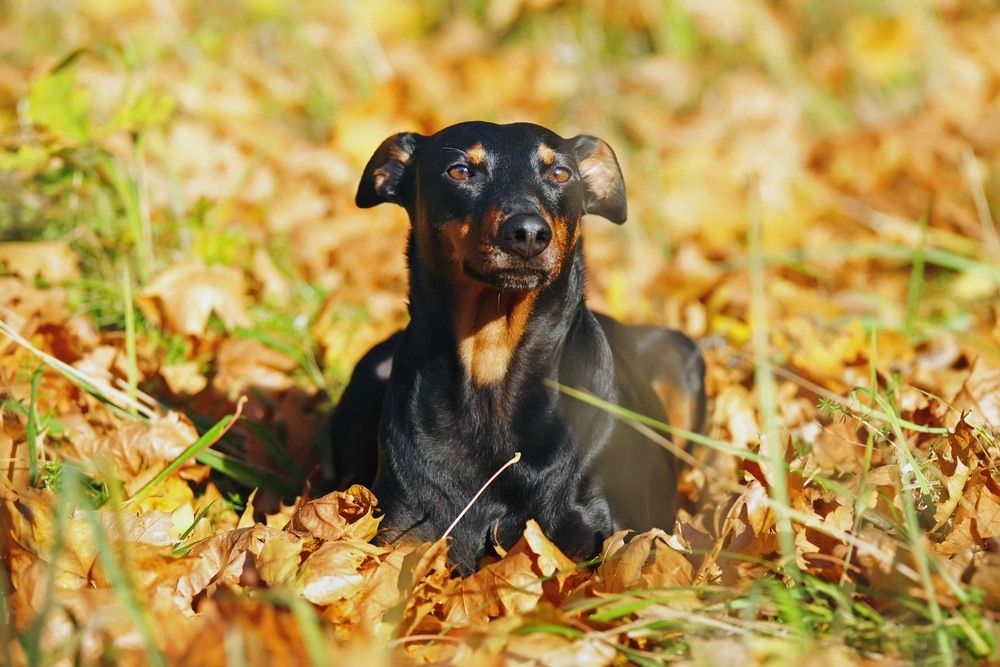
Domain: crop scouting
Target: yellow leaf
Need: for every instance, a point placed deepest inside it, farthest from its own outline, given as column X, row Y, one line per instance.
column 515, row 584
column 333, row 571
column 52, row 261
column 183, row 297
column 278, row 560
column 645, row 561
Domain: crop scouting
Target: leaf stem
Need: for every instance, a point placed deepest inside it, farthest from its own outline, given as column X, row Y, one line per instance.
column 515, row 459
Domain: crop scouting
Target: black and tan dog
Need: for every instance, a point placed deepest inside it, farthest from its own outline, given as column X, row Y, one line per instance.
column 497, row 320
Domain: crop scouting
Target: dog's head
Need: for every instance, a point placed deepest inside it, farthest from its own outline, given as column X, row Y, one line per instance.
column 497, row 204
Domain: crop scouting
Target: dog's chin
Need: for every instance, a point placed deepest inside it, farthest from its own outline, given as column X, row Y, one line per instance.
column 510, row 280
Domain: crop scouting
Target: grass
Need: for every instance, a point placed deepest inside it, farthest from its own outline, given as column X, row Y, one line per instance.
column 809, row 608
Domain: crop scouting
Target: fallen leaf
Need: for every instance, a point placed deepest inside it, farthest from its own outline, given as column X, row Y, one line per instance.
column 332, row 573
column 184, row 377
column 645, row 561
column 338, row 515
column 514, row 584
column 981, row 394
column 246, row 363
column 275, row 287
column 155, row 528
column 542, row 648
column 279, row 558
column 52, row 261
column 138, row 450
column 405, row 587
column 184, row 296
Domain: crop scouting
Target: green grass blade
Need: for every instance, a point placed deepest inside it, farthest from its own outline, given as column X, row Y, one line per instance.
column 767, row 395
column 131, row 355
column 32, row 428
column 180, row 548
column 309, row 626
column 942, row 258
column 210, row 437
column 625, row 413
column 916, row 279
column 118, row 577
column 116, row 400
column 67, row 500
column 244, row 473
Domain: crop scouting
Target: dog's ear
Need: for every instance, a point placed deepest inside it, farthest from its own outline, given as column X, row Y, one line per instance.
column 602, row 177
column 385, row 176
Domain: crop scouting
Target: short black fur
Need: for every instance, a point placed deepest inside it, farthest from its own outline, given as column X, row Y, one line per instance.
column 462, row 388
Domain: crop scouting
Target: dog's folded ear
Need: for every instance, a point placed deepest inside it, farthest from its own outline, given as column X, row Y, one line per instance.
column 386, row 177
column 602, row 177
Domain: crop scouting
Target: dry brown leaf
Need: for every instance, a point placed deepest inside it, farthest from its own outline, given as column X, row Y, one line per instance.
column 279, row 558
column 155, row 528
column 275, row 287
column 22, row 302
column 548, row 561
column 243, row 363
column 52, row 261
column 30, row 533
column 333, row 572
column 645, row 561
column 402, row 590
column 975, row 524
column 338, row 515
column 981, row 394
column 223, row 558
column 506, row 587
column 540, row 648
column 957, row 462
column 86, row 625
column 184, row 377
column 183, row 297
column 734, row 409
column 14, row 452
column 515, row 584
column 261, row 634
column 985, row 574
column 137, row 450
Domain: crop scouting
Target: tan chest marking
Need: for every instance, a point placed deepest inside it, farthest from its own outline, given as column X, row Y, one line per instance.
column 490, row 326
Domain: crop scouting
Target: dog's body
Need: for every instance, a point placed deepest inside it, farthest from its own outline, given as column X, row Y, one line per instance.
column 498, row 321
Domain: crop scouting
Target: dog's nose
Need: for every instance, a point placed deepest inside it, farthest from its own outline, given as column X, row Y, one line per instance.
column 525, row 235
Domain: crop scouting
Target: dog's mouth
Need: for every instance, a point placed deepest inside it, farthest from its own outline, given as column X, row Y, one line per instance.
column 509, row 279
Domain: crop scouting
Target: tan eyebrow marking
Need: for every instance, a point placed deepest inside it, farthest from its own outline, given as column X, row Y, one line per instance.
column 546, row 154
column 476, row 154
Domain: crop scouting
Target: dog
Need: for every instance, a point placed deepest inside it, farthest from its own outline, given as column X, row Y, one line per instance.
column 497, row 324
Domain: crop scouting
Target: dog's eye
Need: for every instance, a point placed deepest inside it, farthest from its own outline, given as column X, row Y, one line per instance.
column 458, row 172
column 560, row 174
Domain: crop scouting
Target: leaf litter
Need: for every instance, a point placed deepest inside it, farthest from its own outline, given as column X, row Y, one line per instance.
column 870, row 140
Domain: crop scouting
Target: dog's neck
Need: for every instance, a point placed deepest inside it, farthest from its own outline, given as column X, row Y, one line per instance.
column 490, row 326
